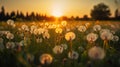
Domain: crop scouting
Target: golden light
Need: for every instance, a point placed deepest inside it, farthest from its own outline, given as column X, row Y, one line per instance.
column 57, row 13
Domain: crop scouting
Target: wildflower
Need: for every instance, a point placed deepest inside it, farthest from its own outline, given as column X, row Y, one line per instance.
column 9, row 36
column 58, row 49
column 64, row 23
column 64, row 46
column 82, row 28
column 46, row 59
column 10, row 45
column 92, row 37
column 115, row 38
column 73, row 55
column 96, row 53
column 97, row 28
column 70, row 36
column 58, row 30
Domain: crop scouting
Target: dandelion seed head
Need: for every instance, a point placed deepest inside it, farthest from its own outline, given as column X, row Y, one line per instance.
column 82, row 28
column 96, row 53
column 73, row 55
column 70, row 36
column 58, row 30
column 92, row 37
column 46, row 59
column 58, row 49
column 97, row 28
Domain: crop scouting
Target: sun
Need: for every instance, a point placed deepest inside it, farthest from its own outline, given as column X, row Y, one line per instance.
column 57, row 13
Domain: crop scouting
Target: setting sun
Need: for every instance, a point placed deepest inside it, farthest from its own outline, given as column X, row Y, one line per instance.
column 57, row 13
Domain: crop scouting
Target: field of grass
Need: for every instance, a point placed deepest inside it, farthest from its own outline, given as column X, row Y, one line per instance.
column 60, row 44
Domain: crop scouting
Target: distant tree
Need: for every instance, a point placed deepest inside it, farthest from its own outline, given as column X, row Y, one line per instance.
column 117, row 14
column 22, row 15
column 13, row 15
column 2, row 13
column 100, row 12
column 85, row 17
column 77, row 18
column 7, row 16
column 32, row 16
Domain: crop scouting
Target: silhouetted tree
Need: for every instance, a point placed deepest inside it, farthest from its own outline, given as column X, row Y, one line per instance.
column 2, row 13
column 77, row 18
column 13, row 15
column 7, row 16
column 100, row 12
column 117, row 14
column 85, row 17
column 22, row 15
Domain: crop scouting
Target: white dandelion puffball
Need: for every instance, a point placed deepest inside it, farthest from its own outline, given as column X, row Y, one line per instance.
column 106, row 35
column 46, row 35
column 58, row 30
column 39, row 40
column 82, row 28
column 104, row 30
column 32, row 28
column 92, row 37
column 46, row 59
column 115, row 38
column 10, row 22
column 10, row 45
column 70, row 36
column 58, row 49
column 96, row 53
column 97, row 28
column 73, row 55
column 64, row 46
column 9, row 36
column 25, row 27
column 64, row 23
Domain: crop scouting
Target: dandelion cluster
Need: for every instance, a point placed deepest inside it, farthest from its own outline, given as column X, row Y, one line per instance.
column 50, row 44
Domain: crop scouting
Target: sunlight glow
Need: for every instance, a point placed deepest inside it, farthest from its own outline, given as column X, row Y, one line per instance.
column 57, row 13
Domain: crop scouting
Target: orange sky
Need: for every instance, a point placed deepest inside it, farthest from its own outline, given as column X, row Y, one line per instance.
column 65, row 7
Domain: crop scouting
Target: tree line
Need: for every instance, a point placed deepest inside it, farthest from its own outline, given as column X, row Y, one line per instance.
column 99, row 12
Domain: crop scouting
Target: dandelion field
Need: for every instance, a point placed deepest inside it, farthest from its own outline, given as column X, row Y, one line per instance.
column 60, row 44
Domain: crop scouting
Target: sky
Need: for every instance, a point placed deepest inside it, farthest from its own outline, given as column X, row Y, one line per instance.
column 50, row 7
